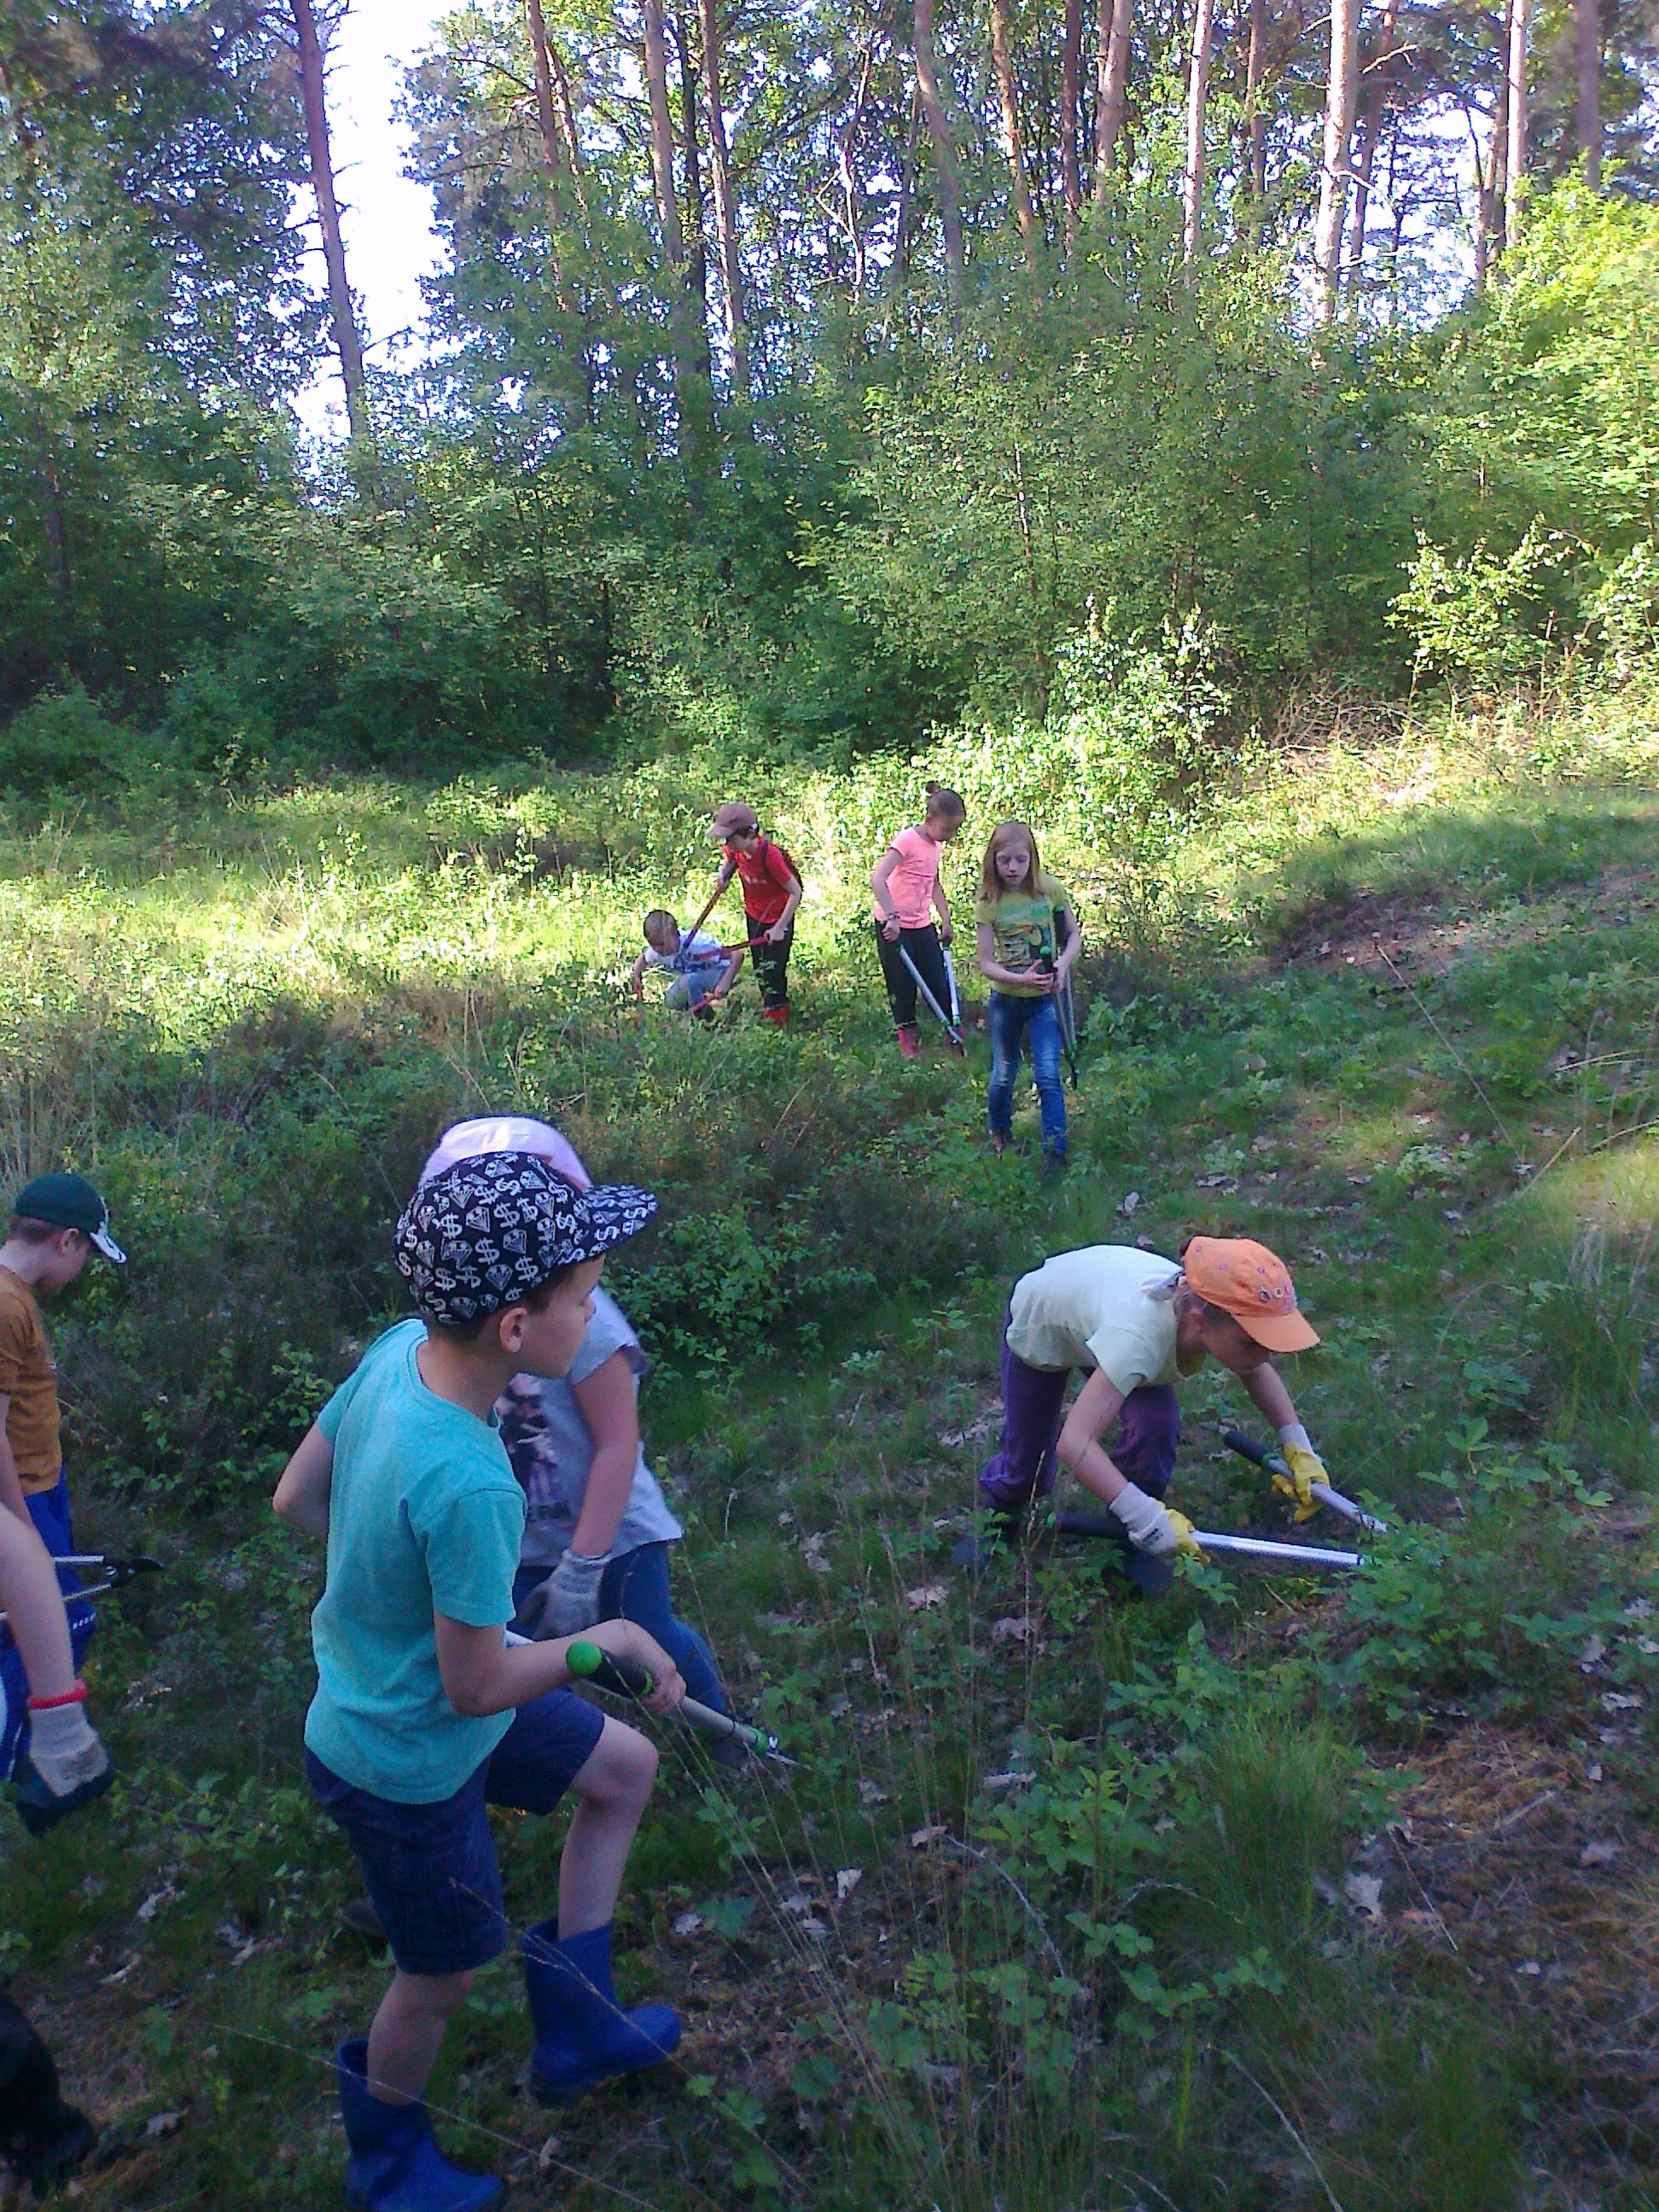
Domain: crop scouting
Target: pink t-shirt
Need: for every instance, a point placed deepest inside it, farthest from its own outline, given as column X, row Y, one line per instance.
column 910, row 885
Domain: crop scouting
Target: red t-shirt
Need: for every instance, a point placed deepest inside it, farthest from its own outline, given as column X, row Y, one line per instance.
column 768, row 877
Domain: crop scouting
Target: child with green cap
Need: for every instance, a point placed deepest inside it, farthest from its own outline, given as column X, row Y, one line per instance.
column 58, row 1222
column 426, row 1713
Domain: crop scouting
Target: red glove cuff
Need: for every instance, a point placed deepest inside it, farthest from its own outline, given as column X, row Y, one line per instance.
column 77, row 1696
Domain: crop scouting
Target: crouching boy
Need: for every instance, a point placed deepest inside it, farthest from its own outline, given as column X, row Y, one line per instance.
column 701, row 970
column 424, row 1715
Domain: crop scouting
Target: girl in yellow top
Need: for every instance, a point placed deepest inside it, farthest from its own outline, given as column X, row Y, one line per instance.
column 1028, row 940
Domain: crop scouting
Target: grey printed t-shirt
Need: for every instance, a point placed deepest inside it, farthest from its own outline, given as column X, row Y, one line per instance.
column 551, row 1449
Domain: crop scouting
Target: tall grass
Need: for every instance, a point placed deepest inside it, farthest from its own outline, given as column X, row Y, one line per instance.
column 1100, row 1951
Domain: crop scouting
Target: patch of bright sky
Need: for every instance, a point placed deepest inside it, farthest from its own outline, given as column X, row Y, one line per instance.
column 390, row 243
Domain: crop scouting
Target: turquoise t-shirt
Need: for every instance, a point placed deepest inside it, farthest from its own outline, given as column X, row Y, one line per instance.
column 424, row 1515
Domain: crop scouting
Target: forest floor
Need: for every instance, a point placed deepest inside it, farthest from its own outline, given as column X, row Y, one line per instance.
column 1280, row 1891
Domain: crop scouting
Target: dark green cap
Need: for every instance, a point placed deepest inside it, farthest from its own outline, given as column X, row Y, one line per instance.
column 69, row 1201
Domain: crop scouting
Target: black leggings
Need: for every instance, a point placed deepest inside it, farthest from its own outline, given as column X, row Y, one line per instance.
column 925, row 949
column 770, row 963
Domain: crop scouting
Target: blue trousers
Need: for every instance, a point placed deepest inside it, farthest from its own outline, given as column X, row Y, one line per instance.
column 1036, row 1021
column 691, row 989
column 636, row 1588
column 50, row 1512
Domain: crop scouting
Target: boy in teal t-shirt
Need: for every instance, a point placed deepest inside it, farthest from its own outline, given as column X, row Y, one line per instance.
column 426, row 1516
column 424, row 1714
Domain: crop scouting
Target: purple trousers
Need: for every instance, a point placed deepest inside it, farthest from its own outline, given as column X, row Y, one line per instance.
column 1142, row 1447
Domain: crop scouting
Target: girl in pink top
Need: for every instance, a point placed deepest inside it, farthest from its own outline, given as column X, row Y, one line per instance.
column 907, row 893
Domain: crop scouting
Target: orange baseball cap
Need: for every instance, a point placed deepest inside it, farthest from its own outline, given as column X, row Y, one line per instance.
column 1251, row 1283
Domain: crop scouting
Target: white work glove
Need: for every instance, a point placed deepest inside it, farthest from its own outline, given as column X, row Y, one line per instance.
column 64, row 1749
column 568, row 1601
column 1150, row 1528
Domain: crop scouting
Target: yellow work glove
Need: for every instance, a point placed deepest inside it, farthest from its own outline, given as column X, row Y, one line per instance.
column 1186, row 1541
column 1307, row 1468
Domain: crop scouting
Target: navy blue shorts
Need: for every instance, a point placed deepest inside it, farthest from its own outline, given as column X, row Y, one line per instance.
column 49, row 1510
column 431, row 1869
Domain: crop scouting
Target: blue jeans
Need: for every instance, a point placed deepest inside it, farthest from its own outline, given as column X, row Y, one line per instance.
column 692, row 988
column 636, row 1588
column 1035, row 1020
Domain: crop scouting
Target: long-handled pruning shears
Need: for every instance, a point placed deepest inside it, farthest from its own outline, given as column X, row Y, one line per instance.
column 1064, row 1006
column 719, row 893
column 626, row 1677
column 1322, row 1493
column 115, row 1573
column 1211, row 1539
column 1066, row 1014
column 953, row 1028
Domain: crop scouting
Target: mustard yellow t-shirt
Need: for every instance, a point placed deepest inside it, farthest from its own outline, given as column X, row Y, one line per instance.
column 29, row 1379
column 1024, row 929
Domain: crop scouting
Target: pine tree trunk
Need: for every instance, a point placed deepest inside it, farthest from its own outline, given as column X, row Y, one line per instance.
column 342, row 312
column 1334, row 170
column 900, row 275
column 662, row 134
column 1198, row 87
column 939, row 132
column 1115, row 22
column 692, row 389
column 547, row 119
column 1070, row 56
column 48, row 479
column 846, row 142
column 726, row 214
column 1490, row 187
column 697, row 243
column 1515, row 163
column 568, row 124
column 1587, row 29
column 1012, row 148
column 1253, row 117
column 906, row 188
column 1399, row 208
column 1371, row 125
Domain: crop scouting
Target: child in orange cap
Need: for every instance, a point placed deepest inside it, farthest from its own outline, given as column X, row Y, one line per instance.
column 1138, row 1322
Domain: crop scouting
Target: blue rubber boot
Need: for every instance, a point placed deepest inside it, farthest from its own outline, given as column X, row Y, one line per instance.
column 396, row 2165
column 582, row 2034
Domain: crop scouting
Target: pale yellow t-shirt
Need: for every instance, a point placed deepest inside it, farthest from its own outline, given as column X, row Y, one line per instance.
column 1090, row 1308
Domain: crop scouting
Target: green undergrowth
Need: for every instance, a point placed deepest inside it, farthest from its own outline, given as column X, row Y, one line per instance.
column 1077, row 1901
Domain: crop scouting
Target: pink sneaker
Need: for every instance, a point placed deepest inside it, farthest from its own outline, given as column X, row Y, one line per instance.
column 908, row 1042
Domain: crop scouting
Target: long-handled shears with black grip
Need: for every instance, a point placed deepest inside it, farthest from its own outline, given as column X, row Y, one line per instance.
column 627, row 1678
column 115, row 1573
column 1270, row 1463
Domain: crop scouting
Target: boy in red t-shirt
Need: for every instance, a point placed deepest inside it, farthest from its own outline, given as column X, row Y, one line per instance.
column 771, row 892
